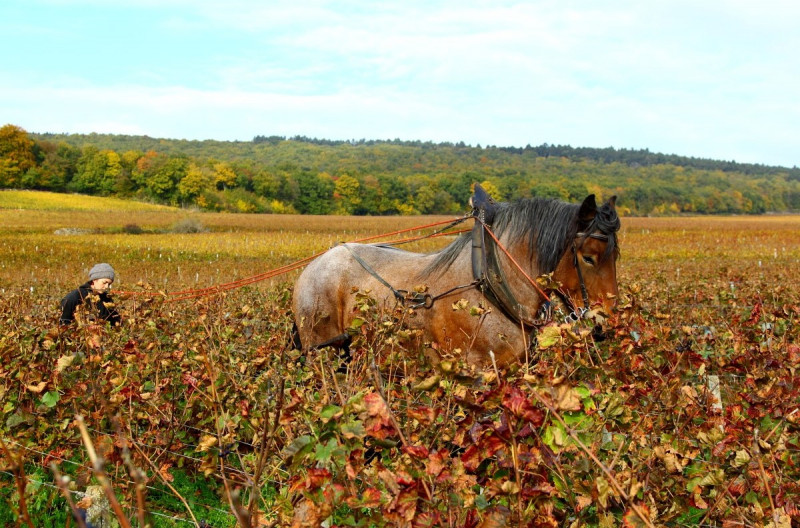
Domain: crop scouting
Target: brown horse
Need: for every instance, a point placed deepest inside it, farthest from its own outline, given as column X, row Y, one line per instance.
column 576, row 243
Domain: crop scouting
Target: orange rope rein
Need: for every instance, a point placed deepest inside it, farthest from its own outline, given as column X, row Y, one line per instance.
column 188, row 294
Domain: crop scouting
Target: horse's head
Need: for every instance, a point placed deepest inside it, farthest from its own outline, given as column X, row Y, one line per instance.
column 588, row 268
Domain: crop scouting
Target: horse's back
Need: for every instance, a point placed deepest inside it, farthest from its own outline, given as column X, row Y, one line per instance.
column 323, row 294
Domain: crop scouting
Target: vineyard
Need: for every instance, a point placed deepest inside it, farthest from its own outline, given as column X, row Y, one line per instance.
column 198, row 412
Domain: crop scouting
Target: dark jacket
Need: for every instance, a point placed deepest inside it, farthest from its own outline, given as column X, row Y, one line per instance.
column 103, row 308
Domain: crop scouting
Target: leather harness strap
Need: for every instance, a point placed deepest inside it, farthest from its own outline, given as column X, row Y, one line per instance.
column 402, row 296
column 491, row 279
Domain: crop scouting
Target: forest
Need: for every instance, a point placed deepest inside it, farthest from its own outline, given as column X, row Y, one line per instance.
column 300, row 175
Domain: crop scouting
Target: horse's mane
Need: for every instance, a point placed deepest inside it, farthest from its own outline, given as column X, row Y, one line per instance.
column 548, row 227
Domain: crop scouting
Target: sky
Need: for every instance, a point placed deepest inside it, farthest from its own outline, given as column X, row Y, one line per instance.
column 716, row 79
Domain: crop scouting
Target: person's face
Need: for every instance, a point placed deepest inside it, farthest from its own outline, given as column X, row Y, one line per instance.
column 101, row 285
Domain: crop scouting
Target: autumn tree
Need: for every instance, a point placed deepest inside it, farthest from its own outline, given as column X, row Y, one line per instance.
column 125, row 184
column 348, row 196
column 425, row 199
column 384, row 177
column 316, row 193
column 371, row 195
column 147, row 164
column 97, row 171
column 492, row 190
column 271, row 183
column 57, row 166
column 16, row 155
column 224, row 176
column 394, row 195
column 163, row 183
column 195, row 183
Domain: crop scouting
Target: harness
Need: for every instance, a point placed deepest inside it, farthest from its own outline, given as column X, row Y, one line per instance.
column 488, row 274
column 411, row 299
column 416, row 299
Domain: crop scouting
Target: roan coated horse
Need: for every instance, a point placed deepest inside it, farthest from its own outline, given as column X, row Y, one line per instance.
column 577, row 244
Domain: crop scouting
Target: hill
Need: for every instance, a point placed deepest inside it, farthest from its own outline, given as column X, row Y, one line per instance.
column 313, row 176
column 248, row 150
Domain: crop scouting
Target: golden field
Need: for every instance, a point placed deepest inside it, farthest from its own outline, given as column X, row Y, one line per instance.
column 241, row 245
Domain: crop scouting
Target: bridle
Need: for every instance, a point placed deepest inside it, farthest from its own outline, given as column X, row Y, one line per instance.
column 576, row 313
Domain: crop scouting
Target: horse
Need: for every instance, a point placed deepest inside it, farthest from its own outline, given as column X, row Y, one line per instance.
column 575, row 244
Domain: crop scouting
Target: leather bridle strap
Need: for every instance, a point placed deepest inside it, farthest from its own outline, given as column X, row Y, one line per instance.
column 584, row 291
column 598, row 236
column 577, row 314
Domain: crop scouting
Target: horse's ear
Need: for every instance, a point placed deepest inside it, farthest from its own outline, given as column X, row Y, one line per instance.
column 612, row 202
column 476, row 188
column 588, row 210
column 480, row 198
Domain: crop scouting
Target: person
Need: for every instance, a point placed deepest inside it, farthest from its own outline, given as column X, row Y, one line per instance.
column 101, row 276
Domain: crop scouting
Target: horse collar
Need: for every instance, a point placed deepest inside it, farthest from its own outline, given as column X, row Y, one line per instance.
column 489, row 275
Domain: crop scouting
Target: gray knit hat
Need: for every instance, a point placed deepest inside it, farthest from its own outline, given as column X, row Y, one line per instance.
column 101, row 271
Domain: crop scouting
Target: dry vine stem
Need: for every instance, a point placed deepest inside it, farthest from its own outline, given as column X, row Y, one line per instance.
column 136, row 474
column 61, row 483
column 166, row 483
column 242, row 515
column 395, row 423
column 268, row 433
column 19, row 477
column 99, row 473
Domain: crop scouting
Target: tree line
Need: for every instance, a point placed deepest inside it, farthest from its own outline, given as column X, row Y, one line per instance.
column 275, row 174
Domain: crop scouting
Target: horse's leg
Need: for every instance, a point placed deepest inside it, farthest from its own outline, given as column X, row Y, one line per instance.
column 341, row 341
column 318, row 303
column 294, row 338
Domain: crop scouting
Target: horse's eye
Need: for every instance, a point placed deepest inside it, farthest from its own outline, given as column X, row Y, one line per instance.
column 588, row 260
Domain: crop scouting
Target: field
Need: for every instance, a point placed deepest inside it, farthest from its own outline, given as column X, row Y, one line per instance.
column 687, row 415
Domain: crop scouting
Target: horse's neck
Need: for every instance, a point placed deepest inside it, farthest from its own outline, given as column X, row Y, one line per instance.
column 459, row 272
